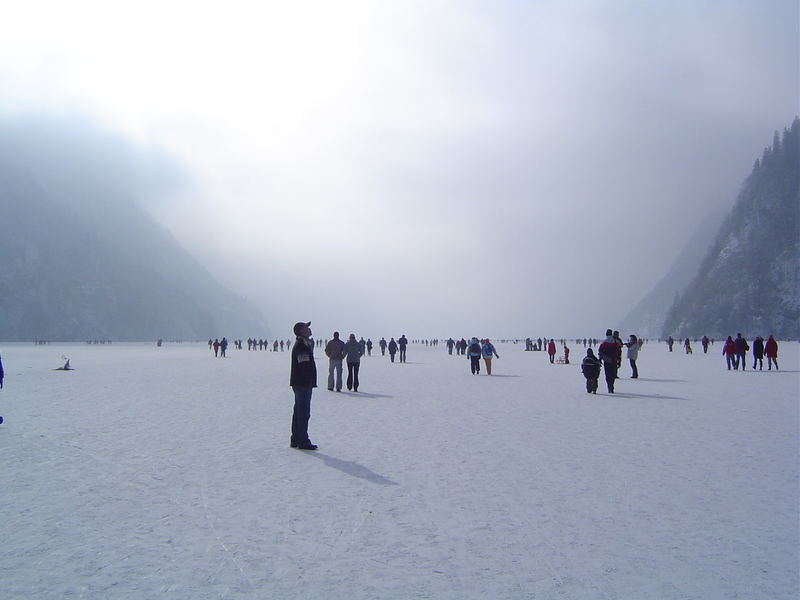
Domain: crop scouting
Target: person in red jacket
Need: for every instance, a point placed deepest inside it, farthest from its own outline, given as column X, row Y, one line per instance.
column 609, row 353
column 771, row 350
column 729, row 351
column 551, row 350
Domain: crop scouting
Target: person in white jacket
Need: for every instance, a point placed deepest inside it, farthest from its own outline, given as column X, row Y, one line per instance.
column 633, row 345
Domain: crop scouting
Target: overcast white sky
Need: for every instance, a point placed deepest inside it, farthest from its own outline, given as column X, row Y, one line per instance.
column 431, row 167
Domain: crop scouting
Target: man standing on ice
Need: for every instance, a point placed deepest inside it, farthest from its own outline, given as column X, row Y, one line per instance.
column 335, row 352
column 302, row 379
column 402, row 342
column 608, row 354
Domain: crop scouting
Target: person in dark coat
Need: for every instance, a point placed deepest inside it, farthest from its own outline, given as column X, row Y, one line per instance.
column 591, row 371
column 402, row 342
column 1, row 373
column 609, row 353
column 771, row 350
column 334, row 350
column 741, row 350
column 758, row 353
column 392, row 348
column 303, row 380
column 353, row 351
column 382, row 344
column 474, row 356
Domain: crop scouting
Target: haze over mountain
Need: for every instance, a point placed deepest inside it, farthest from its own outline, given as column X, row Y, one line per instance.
column 749, row 281
column 81, row 257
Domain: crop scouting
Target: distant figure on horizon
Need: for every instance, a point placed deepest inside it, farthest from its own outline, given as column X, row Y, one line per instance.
column 382, row 344
column 216, row 347
column 687, row 344
column 705, row 341
column 392, row 348
column 670, row 341
column 551, row 350
column 223, row 347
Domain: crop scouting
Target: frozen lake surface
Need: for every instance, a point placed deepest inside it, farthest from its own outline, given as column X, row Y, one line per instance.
column 166, row 473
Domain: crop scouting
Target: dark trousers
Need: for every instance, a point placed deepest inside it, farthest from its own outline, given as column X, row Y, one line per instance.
column 391, row 355
column 610, row 370
column 741, row 360
column 591, row 384
column 352, row 375
column 758, row 361
column 475, row 364
column 402, row 355
column 634, row 370
column 730, row 359
column 301, row 414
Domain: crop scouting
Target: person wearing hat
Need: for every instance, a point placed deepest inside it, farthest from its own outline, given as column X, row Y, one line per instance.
column 591, row 371
column 302, row 379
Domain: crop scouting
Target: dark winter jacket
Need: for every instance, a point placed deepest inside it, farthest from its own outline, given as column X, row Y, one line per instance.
column 590, row 367
column 551, row 347
column 353, row 351
column 335, row 349
column 474, row 348
column 758, row 348
column 304, row 370
column 392, row 347
column 402, row 342
column 741, row 345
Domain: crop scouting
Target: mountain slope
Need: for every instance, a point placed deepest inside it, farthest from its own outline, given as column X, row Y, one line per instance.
column 750, row 278
column 82, row 262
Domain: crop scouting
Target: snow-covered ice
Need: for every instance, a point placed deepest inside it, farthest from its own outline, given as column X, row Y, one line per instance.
column 166, row 473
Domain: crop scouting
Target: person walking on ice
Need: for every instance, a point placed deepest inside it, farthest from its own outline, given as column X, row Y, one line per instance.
column 488, row 350
column 474, row 355
column 771, row 350
column 591, row 371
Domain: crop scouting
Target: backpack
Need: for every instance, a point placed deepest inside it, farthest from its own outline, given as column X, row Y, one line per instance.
column 475, row 348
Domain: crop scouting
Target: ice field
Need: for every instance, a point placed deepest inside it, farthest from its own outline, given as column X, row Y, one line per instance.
column 166, row 473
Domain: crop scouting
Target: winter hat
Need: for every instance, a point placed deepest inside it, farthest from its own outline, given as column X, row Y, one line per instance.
column 298, row 327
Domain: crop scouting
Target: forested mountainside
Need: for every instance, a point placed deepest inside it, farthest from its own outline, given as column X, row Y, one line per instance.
column 749, row 281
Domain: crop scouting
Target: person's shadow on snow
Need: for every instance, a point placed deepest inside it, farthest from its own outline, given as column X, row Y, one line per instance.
column 363, row 394
column 652, row 396
column 352, row 468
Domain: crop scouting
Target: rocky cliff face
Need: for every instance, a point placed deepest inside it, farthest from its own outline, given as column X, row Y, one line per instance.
column 750, row 278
